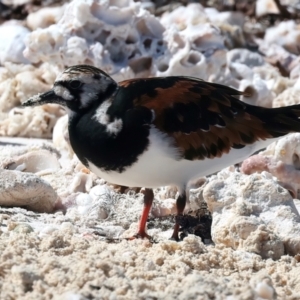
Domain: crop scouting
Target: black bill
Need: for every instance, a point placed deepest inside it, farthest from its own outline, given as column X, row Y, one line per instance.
column 40, row 99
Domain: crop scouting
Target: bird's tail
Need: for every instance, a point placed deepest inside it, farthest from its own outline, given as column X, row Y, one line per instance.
column 278, row 121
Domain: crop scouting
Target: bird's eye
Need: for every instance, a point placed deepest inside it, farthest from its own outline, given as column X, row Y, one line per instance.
column 75, row 84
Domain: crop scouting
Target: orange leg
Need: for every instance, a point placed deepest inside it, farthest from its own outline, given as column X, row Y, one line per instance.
column 180, row 205
column 148, row 199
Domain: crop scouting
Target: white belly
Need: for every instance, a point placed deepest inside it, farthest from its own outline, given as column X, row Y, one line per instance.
column 160, row 166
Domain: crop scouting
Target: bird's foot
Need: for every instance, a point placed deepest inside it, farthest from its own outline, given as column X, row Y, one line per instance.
column 148, row 199
column 140, row 235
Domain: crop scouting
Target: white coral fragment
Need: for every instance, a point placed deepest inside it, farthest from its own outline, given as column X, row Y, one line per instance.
column 127, row 41
column 253, row 213
column 44, row 17
column 286, row 34
column 26, row 190
column 290, row 96
column 30, row 122
column 17, row 83
column 105, row 34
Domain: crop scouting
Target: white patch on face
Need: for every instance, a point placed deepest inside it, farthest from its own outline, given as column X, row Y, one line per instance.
column 63, row 92
column 102, row 117
column 88, row 95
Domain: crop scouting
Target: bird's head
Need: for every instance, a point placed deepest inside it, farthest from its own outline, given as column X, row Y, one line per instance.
column 78, row 88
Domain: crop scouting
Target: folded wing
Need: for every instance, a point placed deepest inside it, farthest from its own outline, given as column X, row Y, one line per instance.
column 206, row 119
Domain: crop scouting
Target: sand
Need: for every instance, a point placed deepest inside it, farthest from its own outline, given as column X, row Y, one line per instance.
column 68, row 260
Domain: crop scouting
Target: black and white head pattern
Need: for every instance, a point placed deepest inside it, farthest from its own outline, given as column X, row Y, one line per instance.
column 80, row 86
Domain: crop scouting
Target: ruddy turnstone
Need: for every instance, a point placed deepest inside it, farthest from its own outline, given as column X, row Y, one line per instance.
column 153, row 132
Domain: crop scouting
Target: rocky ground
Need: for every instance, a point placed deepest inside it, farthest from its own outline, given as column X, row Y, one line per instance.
column 63, row 230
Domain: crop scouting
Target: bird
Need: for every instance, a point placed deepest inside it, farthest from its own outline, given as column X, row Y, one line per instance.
column 161, row 131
